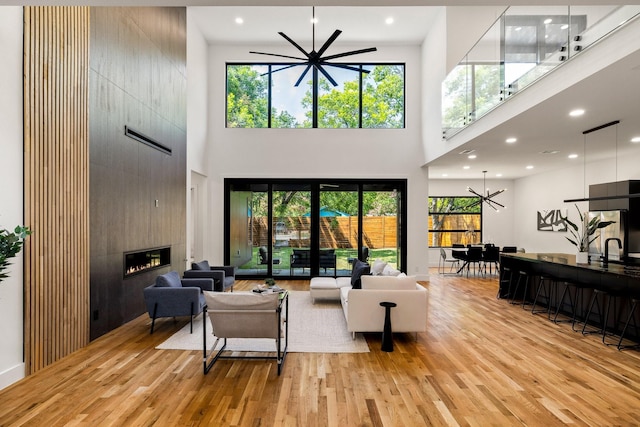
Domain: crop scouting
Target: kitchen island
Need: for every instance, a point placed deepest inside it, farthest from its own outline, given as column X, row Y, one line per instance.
column 614, row 279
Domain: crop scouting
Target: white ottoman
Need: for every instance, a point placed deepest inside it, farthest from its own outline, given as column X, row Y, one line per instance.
column 327, row 287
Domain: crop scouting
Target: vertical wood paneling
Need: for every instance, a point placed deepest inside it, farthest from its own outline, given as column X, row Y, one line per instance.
column 56, row 141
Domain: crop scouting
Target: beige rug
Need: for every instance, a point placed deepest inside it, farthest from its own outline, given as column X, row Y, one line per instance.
column 313, row 328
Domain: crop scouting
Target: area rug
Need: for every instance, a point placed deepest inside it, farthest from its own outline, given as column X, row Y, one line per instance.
column 313, row 328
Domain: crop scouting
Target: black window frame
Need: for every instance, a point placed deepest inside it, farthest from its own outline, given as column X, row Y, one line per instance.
column 270, row 71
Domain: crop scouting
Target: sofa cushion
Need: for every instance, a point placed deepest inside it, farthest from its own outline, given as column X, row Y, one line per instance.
column 406, row 283
column 377, row 267
column 169, row 280
column 202, row 265
column 359, row 268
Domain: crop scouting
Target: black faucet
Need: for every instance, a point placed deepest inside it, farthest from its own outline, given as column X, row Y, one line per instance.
column 605, row 259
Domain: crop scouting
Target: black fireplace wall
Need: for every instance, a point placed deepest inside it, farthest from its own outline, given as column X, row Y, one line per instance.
column 137, row 192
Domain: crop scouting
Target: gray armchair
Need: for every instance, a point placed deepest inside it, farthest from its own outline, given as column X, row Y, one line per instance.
column 223, row 276
column 245, row 315
column 171, row 297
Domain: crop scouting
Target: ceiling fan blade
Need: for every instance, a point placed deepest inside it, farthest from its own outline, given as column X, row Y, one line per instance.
column 280, row 69
column 304, row 73
column 278, row 55
column 296, row 45
column 324, row 72
column 351, row 52
column 330, row 40
column 345, row 66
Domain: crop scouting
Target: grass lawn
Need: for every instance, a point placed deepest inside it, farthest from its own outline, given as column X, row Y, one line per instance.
column 342, row 255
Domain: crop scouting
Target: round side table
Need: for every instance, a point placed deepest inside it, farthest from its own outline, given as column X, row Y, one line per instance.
column 387, row 334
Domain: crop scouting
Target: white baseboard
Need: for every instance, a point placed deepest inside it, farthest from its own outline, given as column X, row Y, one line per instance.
column 11, row 375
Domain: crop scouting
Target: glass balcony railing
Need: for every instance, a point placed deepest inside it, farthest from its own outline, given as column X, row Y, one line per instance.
column 524, row 44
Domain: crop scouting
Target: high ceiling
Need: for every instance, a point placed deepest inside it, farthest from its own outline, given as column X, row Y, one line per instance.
column 545, row 128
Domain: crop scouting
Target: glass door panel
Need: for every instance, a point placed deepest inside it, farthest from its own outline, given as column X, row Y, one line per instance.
column 338, row 240
column 248, row 229
column 291, row 217
column 381, row 224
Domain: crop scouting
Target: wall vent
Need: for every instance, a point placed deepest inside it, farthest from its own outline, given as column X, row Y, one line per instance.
column 131, row 133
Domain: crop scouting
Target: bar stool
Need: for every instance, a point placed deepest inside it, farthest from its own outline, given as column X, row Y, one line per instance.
column 545, row 290
column 566, row 291
column 633, row 304
column 505, row 282
column 578, row 301
column 598, row 294
column 523, row 276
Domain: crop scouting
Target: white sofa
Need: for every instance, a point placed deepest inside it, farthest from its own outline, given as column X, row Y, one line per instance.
column 363, row 311
column 362, row 308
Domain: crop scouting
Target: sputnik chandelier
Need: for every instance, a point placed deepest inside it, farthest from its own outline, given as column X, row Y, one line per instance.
column 485, row 198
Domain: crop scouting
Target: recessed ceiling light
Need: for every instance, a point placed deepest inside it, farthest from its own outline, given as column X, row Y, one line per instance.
column 389, row 20
column 466, row 167
column 635, row 139
column 445, row 175
column 530, row 167
column 548, row 21
column 564, row 27
column 239, row 21
column 573, row 156
column 518, row 28
column 510, row 140
column 498, row 175
column 576, row 113
column 472, row 156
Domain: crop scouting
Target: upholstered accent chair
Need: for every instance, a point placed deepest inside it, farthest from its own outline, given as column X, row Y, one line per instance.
column 170, row 296
column 223, row 276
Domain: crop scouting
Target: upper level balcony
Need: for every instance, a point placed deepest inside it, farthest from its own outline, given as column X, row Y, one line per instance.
column 524, row 44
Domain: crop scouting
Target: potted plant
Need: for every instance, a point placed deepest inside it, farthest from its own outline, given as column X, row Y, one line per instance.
column 582, row 236
column 10, row 245
column 270, row 282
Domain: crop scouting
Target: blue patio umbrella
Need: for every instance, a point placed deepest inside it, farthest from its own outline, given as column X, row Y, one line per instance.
column 325, row 211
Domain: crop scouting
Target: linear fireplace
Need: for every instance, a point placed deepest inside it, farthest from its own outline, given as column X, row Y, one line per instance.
column 137, row 262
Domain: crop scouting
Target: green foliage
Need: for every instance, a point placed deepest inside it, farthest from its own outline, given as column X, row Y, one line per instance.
column 382, row 100
column 581, row 236
column 460, row 102
column 246, row 98
column 297, row 203
column 10, row 245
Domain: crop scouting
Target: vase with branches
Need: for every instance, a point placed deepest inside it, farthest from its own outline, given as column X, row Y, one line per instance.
column 10, row 245
column 582, row 236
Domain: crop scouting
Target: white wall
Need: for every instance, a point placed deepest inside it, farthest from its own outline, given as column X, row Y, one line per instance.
column 197, row 104
column 11, row 208
column 542, row 192
column 318, row 153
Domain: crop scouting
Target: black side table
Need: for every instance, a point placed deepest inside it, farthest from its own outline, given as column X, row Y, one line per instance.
column 387, row 337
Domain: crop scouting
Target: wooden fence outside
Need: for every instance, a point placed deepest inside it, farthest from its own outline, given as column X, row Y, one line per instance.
column 335, row 232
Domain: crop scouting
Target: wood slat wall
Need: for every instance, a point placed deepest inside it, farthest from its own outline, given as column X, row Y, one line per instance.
column 56, row 145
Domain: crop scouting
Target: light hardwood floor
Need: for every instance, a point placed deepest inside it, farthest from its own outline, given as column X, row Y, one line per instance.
column 482, row 362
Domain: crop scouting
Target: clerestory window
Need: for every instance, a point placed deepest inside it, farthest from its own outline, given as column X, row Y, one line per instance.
column 265, row 96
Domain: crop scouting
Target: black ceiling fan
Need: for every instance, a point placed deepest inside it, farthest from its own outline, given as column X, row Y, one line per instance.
column 485, row 198
column 315, row 59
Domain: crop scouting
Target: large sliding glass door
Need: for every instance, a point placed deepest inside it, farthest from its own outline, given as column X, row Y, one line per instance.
column 307, row 228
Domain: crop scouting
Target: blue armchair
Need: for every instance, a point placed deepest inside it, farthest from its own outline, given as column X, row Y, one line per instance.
column 170, row 297
column 223, row 276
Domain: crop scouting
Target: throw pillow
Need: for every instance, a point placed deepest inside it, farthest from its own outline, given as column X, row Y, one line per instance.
column 377, row 267
column 202, row 265
column 359, row 268
column 169, row 280
column 390, row 271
